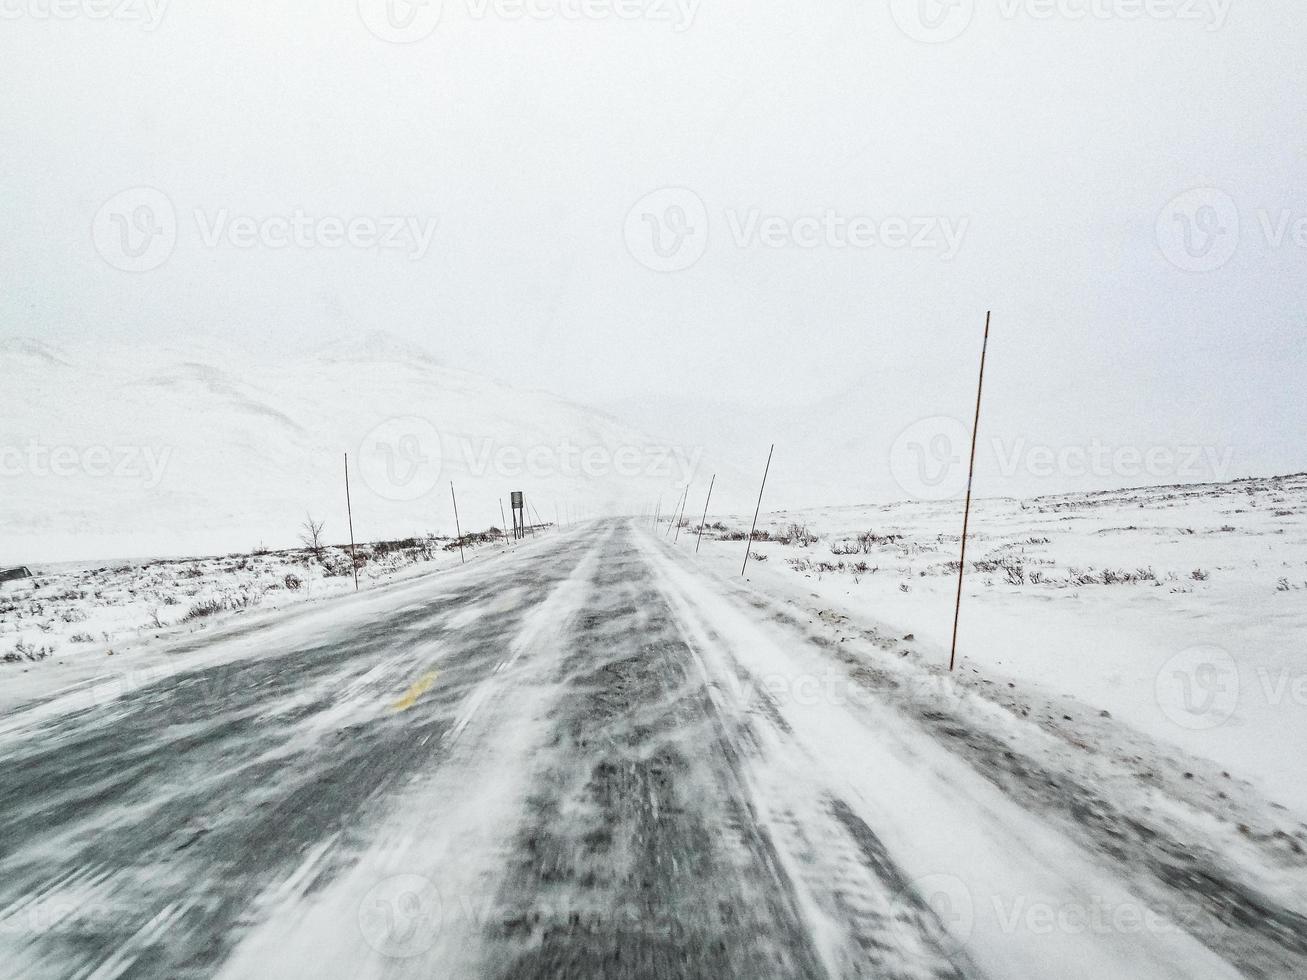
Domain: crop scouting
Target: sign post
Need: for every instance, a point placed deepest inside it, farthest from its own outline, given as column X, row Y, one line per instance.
column 519, row 515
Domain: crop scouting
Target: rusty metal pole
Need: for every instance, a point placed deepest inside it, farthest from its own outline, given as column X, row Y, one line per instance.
column 966, row 514
column 749, row 543
column 457, row 530
column 711, row 484
column 349, row 510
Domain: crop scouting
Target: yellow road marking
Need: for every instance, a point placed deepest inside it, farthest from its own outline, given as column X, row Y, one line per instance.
column 419, row 688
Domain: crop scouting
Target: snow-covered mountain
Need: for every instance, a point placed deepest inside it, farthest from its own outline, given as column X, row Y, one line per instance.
column 195, row 448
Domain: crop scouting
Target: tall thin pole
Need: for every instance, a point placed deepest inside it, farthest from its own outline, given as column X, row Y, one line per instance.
column 349, row 510
column 658, row 512
column 758, row 510
column 682, row 520
column 502, row 519
column 966, row 514
column 711, row 484
column 677, row 508
column 457, row 530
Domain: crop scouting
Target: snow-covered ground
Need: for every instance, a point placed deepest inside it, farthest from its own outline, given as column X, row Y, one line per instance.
column 598, row 754
column 1179, row 611
column 60, row 625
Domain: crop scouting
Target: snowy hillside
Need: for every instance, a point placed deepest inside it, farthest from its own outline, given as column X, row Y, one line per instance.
column 195, row 449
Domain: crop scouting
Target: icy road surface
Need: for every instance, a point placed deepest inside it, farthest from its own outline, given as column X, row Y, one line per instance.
column 586, row 758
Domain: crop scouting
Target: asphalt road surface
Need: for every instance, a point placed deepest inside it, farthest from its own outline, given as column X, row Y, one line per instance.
column 583, row 758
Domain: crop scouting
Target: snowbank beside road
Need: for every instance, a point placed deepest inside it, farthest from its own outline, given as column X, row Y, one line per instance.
column 1180, row 611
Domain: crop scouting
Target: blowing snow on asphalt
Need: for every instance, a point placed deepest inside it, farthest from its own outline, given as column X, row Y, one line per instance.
column 583, row 757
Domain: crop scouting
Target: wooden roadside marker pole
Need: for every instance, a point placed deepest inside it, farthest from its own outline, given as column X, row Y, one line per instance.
column 349, row 510
column 677, row 539
column 711, row 484
column 966, row 513
column 748, row 544
column 679, row 508
column 457, row 529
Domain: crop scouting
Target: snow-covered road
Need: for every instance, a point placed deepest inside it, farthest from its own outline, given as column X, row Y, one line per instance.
column 587, row 758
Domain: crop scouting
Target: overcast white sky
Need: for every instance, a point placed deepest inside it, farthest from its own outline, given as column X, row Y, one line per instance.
column 1037, row 157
